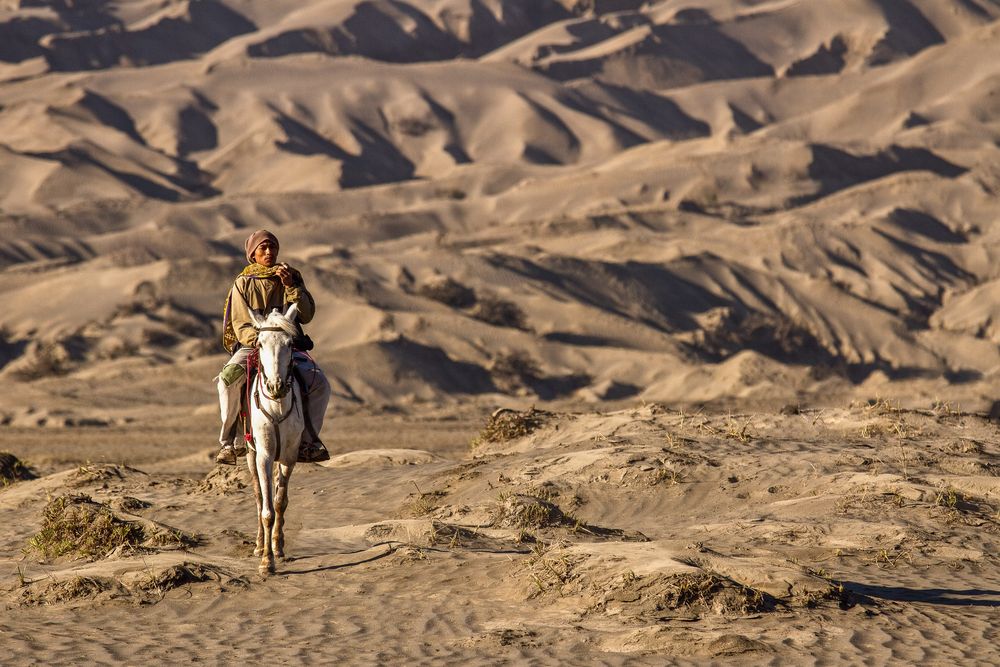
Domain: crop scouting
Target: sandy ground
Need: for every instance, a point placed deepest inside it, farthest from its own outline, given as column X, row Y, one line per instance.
column 741, row 254
column 860, row 535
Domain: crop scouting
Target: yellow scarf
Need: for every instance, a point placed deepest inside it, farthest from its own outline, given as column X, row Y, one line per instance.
column 228, row 332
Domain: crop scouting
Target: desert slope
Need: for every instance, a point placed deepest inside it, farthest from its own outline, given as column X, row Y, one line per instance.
column 739, row 254
column 665, row 193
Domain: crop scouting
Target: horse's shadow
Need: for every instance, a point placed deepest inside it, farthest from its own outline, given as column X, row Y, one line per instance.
column 969, row 597
column 339, row 565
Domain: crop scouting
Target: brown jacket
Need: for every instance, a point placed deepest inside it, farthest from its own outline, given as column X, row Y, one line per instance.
column 263, row 295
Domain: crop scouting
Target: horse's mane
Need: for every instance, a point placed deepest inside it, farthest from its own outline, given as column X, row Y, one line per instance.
column 276, row 319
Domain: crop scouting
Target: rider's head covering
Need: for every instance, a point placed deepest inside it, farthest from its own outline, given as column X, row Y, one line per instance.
column 256, row 239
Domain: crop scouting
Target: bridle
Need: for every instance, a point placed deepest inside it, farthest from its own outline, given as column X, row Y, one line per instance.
column 261, row 374
column 260, row 387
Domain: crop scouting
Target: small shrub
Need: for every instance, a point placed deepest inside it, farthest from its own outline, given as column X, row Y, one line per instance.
column 13, row 469
column 521, row 512
column 67, row 590
column 77, row 525
column 43, row 360
column 449, row 292
column 171, row 537
column 705, row 591
column 498, row 312
column 420, row 503
column 514, row 371
column 506, row 424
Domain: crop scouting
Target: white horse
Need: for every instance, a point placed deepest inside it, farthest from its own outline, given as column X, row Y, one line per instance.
column 276, row 418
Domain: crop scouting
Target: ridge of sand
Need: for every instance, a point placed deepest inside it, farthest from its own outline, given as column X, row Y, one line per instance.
column 663, row 534
column 726, row 207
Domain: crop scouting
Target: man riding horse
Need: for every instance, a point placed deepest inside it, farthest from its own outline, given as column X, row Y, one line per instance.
column 263, row 286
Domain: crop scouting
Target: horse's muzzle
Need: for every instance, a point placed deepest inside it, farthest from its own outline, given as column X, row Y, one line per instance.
column 278, row 388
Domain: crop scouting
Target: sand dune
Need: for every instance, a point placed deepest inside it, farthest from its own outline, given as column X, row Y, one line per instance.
column 719, row 206
column 637, row 535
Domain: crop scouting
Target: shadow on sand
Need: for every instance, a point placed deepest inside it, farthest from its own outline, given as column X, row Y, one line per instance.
column 971, row 597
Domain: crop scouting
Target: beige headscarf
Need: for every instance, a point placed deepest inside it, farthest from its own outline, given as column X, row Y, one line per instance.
column 256, row 239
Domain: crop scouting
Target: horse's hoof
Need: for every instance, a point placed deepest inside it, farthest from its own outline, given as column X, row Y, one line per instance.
column 258, row 552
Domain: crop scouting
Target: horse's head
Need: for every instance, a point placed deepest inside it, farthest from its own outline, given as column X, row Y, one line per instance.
column 274, row 344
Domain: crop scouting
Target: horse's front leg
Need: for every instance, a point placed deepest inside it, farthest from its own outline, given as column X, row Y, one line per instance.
column 284, row 472
column 265, row 466
column 255, row 482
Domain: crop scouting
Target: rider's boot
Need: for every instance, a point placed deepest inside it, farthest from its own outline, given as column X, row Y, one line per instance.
column 312, row 449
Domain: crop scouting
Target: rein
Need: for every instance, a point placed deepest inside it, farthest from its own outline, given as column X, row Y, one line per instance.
column 275, row 420
column 260, row 369
column 253, row 361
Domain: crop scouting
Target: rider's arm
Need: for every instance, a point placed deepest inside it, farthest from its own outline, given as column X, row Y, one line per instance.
column 298, row 293
column 242, row 324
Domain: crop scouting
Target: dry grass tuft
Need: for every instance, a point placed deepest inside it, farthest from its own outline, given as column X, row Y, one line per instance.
column 421, row 504
column 514, row 371
column 882, row 406
column 92, row 473
column 156, row 584
column 498, row 312
column 76, row 525
column 523, row 512
column 449, row 292
column 739, row 431
column 42, row 360
column 130, row 504
column 709, row 591
column 149, row 586
column 13, row 469
column 171, row 538
column 77, row 588
column 506, row 424
column 651, row 597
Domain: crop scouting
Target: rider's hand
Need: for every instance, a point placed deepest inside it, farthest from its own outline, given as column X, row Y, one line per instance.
column 286, row 274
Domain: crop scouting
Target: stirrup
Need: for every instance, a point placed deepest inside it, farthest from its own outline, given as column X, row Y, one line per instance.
column 313, row 452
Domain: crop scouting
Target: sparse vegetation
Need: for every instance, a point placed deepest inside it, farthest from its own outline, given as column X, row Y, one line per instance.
column 66, row 590
column 506, row 424
column 710, row 591
column 90, row 473
column 522, row 512
column 171, row 537
column 514, row 371
column 890, row 559
column 148, row 586
column 667, row 476
column 420, row 504
column 947, row 498
column 76, row 525
column 499, row 312
column 13, row 469
column 157, row 583
column 449, row 292
column 42, row 360
column 739, row 431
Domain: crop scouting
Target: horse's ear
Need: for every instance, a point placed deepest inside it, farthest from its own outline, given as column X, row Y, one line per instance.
column 292, row 312
column 256, row 319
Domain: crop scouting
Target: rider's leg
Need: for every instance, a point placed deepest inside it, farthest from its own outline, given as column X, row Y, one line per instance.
column 316, row 394
column 230, row 385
